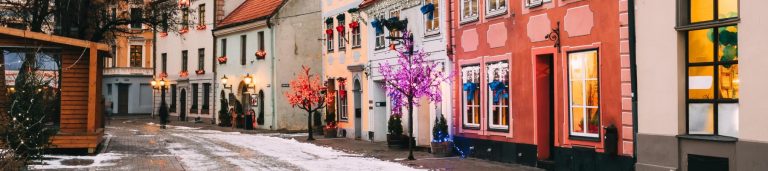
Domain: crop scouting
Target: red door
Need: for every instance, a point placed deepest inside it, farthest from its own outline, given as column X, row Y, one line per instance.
column 544, row 106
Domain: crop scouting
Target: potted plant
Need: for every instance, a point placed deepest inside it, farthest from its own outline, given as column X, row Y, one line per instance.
column 441, row 142
column 395, row 131
column 330, row 130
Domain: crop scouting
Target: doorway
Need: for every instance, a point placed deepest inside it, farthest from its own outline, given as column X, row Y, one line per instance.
column 183, row 105
column 545, row 106
column 122, row 98
column 358, row 109
column 260, row 119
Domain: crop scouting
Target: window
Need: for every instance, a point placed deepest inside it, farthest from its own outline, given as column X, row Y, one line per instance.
column 201, row 15
column 470, row 76
column 136, row 55
column 394, row 33
column 109, row 89
column 184, row 61
column 468, row 10
column 164, row 59
column 498, row 95
column 242, row 49
column 201, row 59
column 136, row 18
column 535, row 3
column 193, row 108
column 329, row 38
column 712, row 67
column 433, row 26
column 380, row 40
column 495, row 7
column 185, row 18
column 583, row 93
column 342, row 99
column 261, row 40
column 342, row 35
column 172, row 108
column 223, row 47
column 356, row 40
column 206, row 97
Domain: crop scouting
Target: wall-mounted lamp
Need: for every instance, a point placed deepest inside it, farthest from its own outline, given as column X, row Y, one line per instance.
column 224, row 82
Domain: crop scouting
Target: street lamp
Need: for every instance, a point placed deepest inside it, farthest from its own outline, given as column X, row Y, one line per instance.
column 161, row 84
column 248, row 80
column 224, row 82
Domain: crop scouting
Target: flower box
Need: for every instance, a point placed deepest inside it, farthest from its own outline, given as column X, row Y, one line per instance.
column 163, row 34
column 183, row 74
column 200, row 72
column 163, row 75
column 201, row 27
column 261, row 54
column 222, row 59
column 183, row 30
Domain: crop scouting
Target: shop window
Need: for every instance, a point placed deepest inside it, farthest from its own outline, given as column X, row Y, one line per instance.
column 495, row 7
column 433, row 26
column 468, row 10
column 498, row 95
column 712, row 67
column 471, row 95
column 583, row 93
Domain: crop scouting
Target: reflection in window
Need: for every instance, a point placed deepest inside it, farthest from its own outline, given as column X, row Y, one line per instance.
column 584, row 93
column 471, row 95
column 495, row 7
column 498, row 94
column 713, row 83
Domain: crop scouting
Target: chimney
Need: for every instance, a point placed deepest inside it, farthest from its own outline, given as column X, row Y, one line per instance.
column 224, row 7
column 219, row 11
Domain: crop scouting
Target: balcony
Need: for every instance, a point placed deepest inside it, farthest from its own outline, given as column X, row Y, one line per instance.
column 128, row 71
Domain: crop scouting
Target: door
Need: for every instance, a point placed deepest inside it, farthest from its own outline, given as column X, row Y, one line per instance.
column 260, row 119
column 545, row 107
column 122, row 98
column 423, row 122
column 358, row 109
column 183, row 105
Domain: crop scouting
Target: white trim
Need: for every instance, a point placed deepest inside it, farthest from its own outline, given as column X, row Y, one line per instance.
column 471, row 17
column 470, row 73
column 436, row 30
column 503, row 67
column 501, row 10
column 585, row 106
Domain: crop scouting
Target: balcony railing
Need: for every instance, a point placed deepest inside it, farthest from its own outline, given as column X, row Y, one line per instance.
column 128, row 71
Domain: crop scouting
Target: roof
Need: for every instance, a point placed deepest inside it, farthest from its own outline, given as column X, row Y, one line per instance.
column 52, row 38
column 250, row 11
column 367, row 3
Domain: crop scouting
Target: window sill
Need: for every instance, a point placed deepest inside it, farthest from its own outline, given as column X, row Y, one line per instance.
column 717, row 138
column 504, row 130
column 582, row 138
column 469, row 20
column 471, row 127
column 495, row 14
column 431, row 34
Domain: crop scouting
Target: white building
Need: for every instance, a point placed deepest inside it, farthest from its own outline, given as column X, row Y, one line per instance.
column 430, row 36
column 185, row 60
column 262, row 46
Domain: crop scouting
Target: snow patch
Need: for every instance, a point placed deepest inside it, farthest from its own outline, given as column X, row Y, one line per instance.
column 100, row 160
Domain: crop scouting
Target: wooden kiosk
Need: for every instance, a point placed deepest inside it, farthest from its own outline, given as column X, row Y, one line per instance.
column 81, row 125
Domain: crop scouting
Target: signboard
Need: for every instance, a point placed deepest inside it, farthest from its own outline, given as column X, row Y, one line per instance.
column 381, row 104
column 254, row 101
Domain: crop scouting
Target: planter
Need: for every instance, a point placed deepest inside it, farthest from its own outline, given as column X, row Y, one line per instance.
column 394, row 140
column 330, row 132
column 442, row 149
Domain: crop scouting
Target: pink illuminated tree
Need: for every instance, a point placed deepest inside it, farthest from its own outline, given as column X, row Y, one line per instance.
column 308, row 94
column 411, row 78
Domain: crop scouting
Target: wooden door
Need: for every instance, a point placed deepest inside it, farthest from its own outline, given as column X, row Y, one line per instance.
column 122, row 98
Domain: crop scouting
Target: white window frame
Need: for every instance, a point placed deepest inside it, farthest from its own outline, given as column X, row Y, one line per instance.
column 503, row 68
column 493, row 12
column 356, row 39
column 329, row 39
column 342, row 105
column 435, row 20
column 342, row 35
column 381, row 42
column 471, row 17
column 535, row 3
column 471, row 72
column 585, row 106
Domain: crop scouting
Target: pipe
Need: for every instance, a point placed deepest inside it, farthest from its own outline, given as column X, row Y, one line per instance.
column 274, row 76
column 633, row 71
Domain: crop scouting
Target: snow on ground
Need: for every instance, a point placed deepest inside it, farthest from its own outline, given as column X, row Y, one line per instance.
column 58, row 161
column 260, row 152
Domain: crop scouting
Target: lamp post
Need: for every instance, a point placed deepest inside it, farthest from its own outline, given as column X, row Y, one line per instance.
column 395, row 24
column 161, row 84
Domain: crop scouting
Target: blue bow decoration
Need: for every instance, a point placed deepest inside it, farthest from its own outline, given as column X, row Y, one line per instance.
column 470, row 88
column 499, row 90
column 377, row 26
column 429, row 10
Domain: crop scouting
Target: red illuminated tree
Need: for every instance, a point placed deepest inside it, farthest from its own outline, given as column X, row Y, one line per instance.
column 308, row 94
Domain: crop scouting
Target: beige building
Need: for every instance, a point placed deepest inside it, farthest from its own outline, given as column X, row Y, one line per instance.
column 701, row 79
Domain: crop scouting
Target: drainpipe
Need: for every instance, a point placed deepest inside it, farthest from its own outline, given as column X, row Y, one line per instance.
column 633, row 72
column 451, row 57
column 274, row 75
column 213, row 67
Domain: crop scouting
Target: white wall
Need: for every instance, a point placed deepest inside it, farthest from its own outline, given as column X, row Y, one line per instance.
column 752, row 71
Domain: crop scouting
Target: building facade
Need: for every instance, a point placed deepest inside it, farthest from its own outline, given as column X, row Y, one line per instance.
column 261, row 46
column 543, row 83
column 695, row 113
column 344, row 54
column 185, row 60
column 429, row 35
column 128, row 71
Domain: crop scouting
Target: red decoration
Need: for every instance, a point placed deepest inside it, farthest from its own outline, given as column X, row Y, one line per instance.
column 340, row 29
column 306, row 93
column 201, row 27
column 183, row 74
column 329, row 32
column 200, row 72
column 183, row 3
column 261, row 54
column 163, row 34
column 222, row 59
column 354, row 25
column 183, row 30
column 163, row 75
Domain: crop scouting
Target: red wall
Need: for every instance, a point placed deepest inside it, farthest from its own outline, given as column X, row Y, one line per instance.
column 604, row 35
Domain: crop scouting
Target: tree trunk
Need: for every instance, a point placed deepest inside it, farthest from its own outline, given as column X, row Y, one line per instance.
column 309, row 125
column 410, row 129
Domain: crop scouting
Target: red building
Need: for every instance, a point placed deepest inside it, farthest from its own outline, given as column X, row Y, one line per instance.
column 544, row 82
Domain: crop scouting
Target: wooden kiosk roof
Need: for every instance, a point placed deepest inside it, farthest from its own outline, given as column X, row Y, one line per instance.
column 81, row 107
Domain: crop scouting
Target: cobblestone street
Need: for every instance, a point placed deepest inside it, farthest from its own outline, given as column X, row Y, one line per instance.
column 136, row 143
